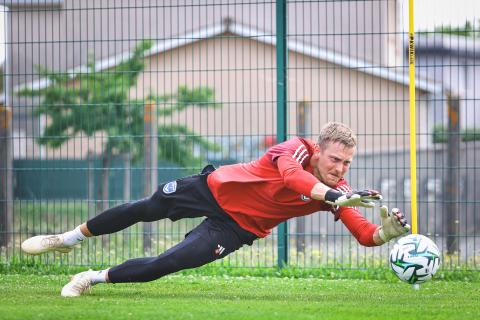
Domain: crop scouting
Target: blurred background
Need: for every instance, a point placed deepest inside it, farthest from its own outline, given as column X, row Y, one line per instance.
column 103, row 100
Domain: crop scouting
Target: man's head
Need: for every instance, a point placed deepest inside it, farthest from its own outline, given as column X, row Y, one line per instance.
column 334, row 153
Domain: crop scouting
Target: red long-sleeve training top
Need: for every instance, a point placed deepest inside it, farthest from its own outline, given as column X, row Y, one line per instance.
column 261, row 194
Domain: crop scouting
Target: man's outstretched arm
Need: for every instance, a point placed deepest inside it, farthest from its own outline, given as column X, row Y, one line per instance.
column 296, row 178
column 393, row 224
column 364, row 231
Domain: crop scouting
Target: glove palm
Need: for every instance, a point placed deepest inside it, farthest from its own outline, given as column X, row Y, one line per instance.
column 393, row 224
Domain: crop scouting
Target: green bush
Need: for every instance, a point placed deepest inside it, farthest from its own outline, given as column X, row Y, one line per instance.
column 440, row 134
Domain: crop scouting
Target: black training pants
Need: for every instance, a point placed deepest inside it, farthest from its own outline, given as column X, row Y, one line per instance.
column 189, row 197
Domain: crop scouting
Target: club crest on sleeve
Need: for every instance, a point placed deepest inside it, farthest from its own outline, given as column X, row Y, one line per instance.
column 305, row 198
column 170, row 187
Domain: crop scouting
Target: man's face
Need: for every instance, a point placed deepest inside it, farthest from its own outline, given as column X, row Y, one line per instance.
column 332, row 163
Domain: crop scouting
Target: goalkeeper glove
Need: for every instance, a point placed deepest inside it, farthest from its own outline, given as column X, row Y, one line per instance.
column 393, row 225
column 352, row 199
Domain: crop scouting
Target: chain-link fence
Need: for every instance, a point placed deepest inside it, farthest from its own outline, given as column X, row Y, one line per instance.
column 104, row 100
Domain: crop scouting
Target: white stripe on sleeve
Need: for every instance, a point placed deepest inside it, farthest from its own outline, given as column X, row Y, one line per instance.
column 298, row 150
column 344, row 188
column 304, row 157
column 301, row 153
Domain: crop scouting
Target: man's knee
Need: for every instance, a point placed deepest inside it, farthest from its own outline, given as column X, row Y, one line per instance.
column 198, row 248
column 149, row 210
column 194, row 251
column 173, row 260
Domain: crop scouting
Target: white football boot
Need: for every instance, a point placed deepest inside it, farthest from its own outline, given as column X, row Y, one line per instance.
column 40, row 244
column 79, row 283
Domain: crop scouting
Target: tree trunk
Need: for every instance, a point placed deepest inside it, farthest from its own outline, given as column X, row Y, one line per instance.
column 126, row 191
column 5, row 178
column 303, row 128
column 102, row 202
column 150, row 158
column 126, row 176
column 91, row 184
column 105, row 182
column 452, row 183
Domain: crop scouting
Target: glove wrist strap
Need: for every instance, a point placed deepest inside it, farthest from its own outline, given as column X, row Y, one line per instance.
column 382, row 235
column 332, row 195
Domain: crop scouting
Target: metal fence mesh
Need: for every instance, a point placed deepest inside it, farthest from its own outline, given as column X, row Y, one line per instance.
column 103, row 100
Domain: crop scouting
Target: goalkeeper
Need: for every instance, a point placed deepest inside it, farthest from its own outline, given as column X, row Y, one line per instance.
column 241, row 203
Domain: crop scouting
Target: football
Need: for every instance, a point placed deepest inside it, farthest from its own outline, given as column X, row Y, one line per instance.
column 414, row 258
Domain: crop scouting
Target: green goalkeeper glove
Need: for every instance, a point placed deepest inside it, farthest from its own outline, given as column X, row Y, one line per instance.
column 353, row 199
column 393, row 225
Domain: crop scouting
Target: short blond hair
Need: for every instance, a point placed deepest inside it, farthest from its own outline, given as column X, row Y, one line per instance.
column 334, row 132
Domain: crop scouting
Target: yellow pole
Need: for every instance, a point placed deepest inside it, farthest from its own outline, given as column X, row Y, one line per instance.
column 413, row 144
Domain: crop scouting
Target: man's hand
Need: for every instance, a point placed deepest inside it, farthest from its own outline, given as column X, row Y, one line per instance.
column 362, row 198
column 393, row 225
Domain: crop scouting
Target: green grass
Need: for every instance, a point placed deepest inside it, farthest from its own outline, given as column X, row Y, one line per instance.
column 224, row 297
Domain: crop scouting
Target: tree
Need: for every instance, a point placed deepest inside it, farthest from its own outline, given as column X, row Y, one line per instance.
column 98, row 101
column 467, row 30
column 175, row 141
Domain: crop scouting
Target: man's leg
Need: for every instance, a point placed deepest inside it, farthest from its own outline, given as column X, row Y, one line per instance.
column 109, row 221
column 211, row 240
column 188, row 197
column 183, row 198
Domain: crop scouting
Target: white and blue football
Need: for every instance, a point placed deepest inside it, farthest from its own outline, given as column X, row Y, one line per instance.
column 414, row 258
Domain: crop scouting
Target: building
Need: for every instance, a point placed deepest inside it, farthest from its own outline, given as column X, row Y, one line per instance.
column 454, row 62
column 342, row 61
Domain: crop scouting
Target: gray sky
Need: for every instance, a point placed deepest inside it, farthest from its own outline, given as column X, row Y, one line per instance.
column 431, row 13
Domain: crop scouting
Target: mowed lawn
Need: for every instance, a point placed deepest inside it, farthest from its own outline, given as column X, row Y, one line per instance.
column 202, row 297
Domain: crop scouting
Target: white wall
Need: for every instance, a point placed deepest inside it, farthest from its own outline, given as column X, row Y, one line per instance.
column 460, row 76
column 2, row 34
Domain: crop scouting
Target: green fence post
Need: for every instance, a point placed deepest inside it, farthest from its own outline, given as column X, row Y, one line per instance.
column 281, row 26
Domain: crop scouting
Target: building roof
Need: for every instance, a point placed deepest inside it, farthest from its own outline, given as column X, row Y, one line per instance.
column 230, row 27
column 32, row 3
column 445, row 44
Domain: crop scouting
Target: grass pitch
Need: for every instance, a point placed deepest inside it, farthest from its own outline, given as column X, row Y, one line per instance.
column 206, row 297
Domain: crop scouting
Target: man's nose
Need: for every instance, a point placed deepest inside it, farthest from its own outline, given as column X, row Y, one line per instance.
column 339, row 167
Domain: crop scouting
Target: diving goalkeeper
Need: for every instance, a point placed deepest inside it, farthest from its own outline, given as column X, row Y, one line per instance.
column 241, row 203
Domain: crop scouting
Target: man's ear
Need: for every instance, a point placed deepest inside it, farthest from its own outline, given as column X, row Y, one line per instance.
column 316, row 148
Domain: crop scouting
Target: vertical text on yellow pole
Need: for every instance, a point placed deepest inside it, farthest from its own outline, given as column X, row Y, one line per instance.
column 413, row 144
